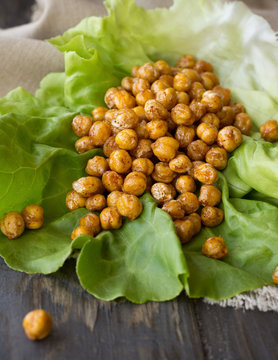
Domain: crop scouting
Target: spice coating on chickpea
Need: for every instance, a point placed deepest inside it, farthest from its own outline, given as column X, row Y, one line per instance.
column 181, row 82
column 184, row 229
column 212, row 119
column 165, row 148
column 84, row 144
column 225, row 94
column 99, row 113
column 100, row 132
column 92, row 222
column 129, row 206
column 269, row 130
column 81, row 230
column 163, row 173
column 185, row 135
column 206, row 174
column 226, row 116
column 159, row 85
column 244, row 123
column 124, row 119
column 112, row 181
column 143, row 149
column 197, row 150
column 127, row 139
column 212, row 216
column 197, row 90
column 109, row 97
column 217, row 157
column 229, row 138
column 97, row 166
column 180, row 164
column 182, row 115
column 186, row 61
column 215, row 248
column 74, row 200
column 139, row 85
column 195, row 165
column 135, row 183
column 198, row 109
column 120, row 161
column 174, row 209
column 185, row 183
column 209, row 195
column 88, row 186
column 33, row 216
column 162, row 192
column 95, row 203
column 37, row 324
column 203, row 66
column 162, row 67
column 81, row 125
column 109, row 146
column 12, row 225
column 196, row 221
column 127, row 83
column 207, row 133
column 212, row 101
column 155, row 111
column 143, row 165
column 182, row 97
column 157, row 128
column 144, row 96
column 124, row 100
column 167, row 97
column 148, row 72
column 110, row 219
column 189, row 202
column 113, row 197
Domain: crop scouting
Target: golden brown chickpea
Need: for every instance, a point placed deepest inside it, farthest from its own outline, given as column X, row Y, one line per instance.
column 211, row 216
column 110, row 219
column 196, row 221
column 167, row 98
column 162, row 67
column 163, row 192
column 81, row 125
column 100, row 132
column 269, row 130
column 120, row 161
column 143, row 149
column 129, row 206
column 84, row 144
column 184, row 229
column 109, row 146
column 95, row 203
column 148, row 72
column 193, row 75
column 197, row 150
column 140, row 85
column 195, row 165
column 99, row 113
column 124, row 100
column 12, row 225
column 97, row 166
column 212, row 101
column 225, row 94
column 162, row 173
column 174, row 209
column 113, row 197
column 209, row 80
column 217, row 157
column 207, row 133
column 186, row 61
column 135, row 183
column 182, row 97
column 198, row 109
column 109, row 97
column 127, row 83
column 226, row 116
column 157, row 128
column 215, row 248
column 127, row 139
column 185, row 183
column 81, row 230
column 185, row 135
column 275, row 276
column 189, row 202
column 165, row 148
column 206, row 174
column 203, row 66
column 141, row 130
column 176, row 70
column 244, row 123
column 180, row 164
column 182, row 115
column 143, row 165
column 167, row 79
column 212, row 119
column 74, row 200
column 159, row 85
column 155, row 111
column 37, row 324
column 134, row 71
column 33, row 216
column 124, row 119
column 88, row 186
column 144, row 96
column 109, row 115
column 91, row 221
column 238, row 108
column 140, row 112
column 210, row 195
column 197, row 90
column 182, row 82
column 229, row 138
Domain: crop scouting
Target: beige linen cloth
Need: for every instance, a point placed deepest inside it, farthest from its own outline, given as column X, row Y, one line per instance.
column 25, row 59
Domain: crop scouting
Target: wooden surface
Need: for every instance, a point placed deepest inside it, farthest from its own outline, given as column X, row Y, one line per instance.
column 86, row 328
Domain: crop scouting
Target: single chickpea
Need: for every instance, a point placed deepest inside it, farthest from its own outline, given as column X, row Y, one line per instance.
column 33, row 216
column 195, row 165
column 210, row 195
column 196, row 221
column 165, row 148
column 159, row 85
column 95, row 203
column 163, row 173
column 99, row 113
column 212, row 119
column 12, row 225
column 182, row 97
column 109, row 115
column 185, row 135
column 127, row 83
column 244, row 123
column 144, row 96
column 174, row 209
column 167, row 79
column 189, row 202
column 229, row 138
column 275, row 276
column 217, row 157
column 197, row 150
column 209, row 80
column 88, row 186
column 193, row 75
column 37, row 324
column 100, row 132
column 113, row 197
column 84, row 144
column 141, row 130
column 238, row 108
column 81, row 230
column 143, row 149
column 74, row 200
column 124, row 119
column 167, row 98
column 225, row 94
column 81, row 125
column 226, row 116
column 110, row 219
column 162, row 67
column 182, row 115
column 97, row 166
column 127, row 139
column 157, row 128
column 206, row 174
column 215, row 248
column 129, row 206
column 184, row 229
column 148, row 72
column 120, row 161
column 91, row 221
column 109, row 97
column 163, row 192
column 140, row 112
column 185, row 183
column 112, row 181
column 207, row 133
column 186, row 61
column 212, row 101
column 143, row 165
column 269, row 130
column 124, row 100
column 182, row 82
column 109, row 146
column 198, row 109
column 197, row 90
column 212, row 216
column 176, row 70
column 140, row 85
column 180, row 164
column 135, row 183
column 155, row 111
column 203, row 66
column 134, row 70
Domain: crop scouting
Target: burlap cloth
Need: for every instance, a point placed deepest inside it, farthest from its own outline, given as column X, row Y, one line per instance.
column 25, row 59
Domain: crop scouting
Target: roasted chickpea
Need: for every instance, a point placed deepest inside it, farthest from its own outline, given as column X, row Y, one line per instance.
column 162, row 173
column 207, row 133
column 165, row 148
column 109, row 146
column 167, row 97
column 33, row 216
column 215, row 248
column 127, row 83
column 185, row 135
column 182, row 97
column 81, row 125
column 134, row 70
column 197, row 150
column 100, row 132
column 157, row 128
column 189, row 202
column 197, row 90
column 174, row 209
column 91, row 221
column 210, row 195
column 140, row 85
column 140, row 112
column 120, row 161
column 212, row 216
column 225, row 94
column 182, row 115
column 37, row 324
column 212, row 119
column 244, row 123
column 206, row 174
column 84, row 144
column 129, row 206
column 203, row 66
column 110, row 219
column 159, row 85
column 238, row 108
column 184, row 229
column 212, row 101
column 113, row 197
column 124, row 100
column 143, row 165
column 124, row 119
column 182, row 82
column 81, row 230
column 141, row 130
column 144, row 96
column 193, row 75
column 74, row 200
column 185, row 183
column 176, row 70
column 167, row 79
column 127, row 139
column 226, row 116
column 186, row 61
column 275, row 276
column 163, row 192
column 12, row 225
column 148, row 72
column 229, row 138
column 112, row 181
column 88, row 186
column 135, row 183
column 143, row 149
column 109, row 115
column 217, row 157
column 198, row 109
column 162, row 67
column 99, row 113
column 195, row 165
column 109, row 97
column 180, row 164
column 155, row 111
column 196, row 221
column 209, row 80
column 95, row 203
column 97, row 166
column 269, row 130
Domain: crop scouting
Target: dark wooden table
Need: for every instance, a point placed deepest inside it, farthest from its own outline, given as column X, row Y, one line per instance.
column 86, row 328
